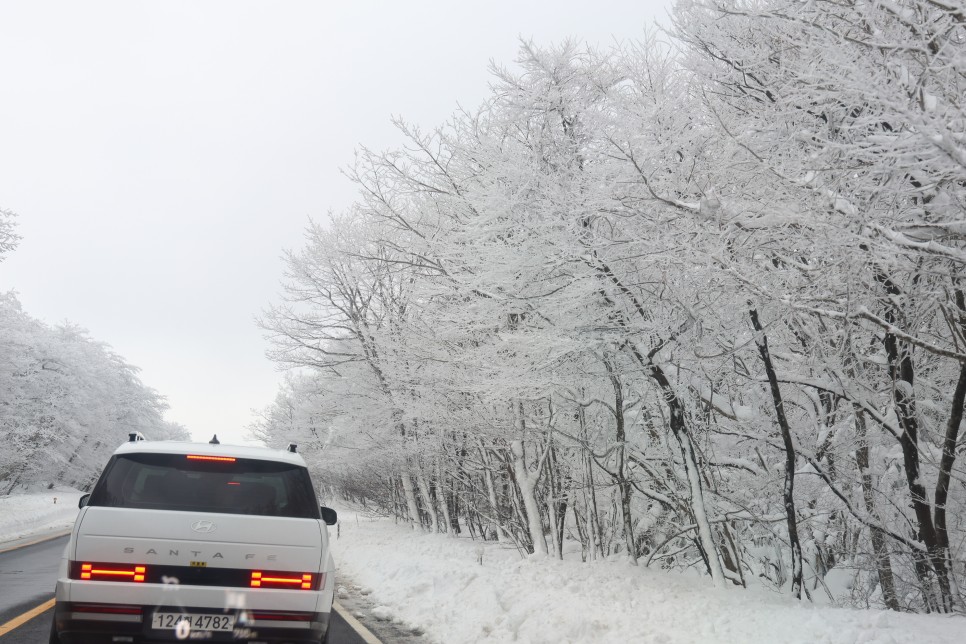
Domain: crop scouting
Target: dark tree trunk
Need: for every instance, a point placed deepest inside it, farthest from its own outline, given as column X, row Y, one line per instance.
column 682, row 434
column 596, row 534
column 789, row 492
column 945, row 471
column 880, row 550
column 902, row 374
column 620, row 475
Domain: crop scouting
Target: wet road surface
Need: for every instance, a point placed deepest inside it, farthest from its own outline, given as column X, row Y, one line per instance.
column 27, row 578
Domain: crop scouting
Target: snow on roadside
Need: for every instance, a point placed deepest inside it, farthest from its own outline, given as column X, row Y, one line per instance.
column 23, row 515
column 437, row 584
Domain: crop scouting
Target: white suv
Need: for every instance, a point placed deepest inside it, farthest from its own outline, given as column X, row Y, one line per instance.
column 197, row 541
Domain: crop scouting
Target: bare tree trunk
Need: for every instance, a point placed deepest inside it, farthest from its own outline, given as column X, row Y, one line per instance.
column 556, row 536
column 902, row 373
column 551, row 512
column 619, row 474
column 63, row 471
column 678, row 425
column 586, row 545
column 731, row 556
column 526, row 482
column 398, row 509
column 683, row 436
column 427, row 501
column 593, row 518
column 945, row 473
column 16, row 479
column 501, row 534
column 443, row 498
column 410, row 493
column 879, row 548
column 761, row 340
column 561, row 519
column 512, row 492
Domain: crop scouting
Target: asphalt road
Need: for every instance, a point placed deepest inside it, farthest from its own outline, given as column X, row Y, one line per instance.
column 27, row 577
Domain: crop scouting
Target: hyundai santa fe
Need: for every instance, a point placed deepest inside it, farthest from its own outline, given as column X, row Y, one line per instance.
column 197, row 541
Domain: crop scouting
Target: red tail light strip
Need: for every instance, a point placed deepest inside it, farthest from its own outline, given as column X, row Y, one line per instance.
column 125, row 572
column 260, row 581
column 88, row 571
column 201, row 457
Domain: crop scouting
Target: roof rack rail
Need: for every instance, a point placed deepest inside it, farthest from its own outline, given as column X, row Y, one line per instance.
column 134, row 437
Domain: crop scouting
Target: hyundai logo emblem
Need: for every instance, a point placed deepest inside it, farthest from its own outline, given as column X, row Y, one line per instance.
column 203, row 526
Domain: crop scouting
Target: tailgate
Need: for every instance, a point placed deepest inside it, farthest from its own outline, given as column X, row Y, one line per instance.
column 198, row 539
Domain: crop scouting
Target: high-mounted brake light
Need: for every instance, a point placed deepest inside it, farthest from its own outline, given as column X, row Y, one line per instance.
column 201, row 457
column 233, row 483
column 275, row 580
column 102, row 573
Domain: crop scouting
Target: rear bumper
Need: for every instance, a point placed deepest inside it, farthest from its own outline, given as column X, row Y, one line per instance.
column 91, row 612
column 86, row 623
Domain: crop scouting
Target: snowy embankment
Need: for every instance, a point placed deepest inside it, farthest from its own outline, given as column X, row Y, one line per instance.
column 24, row 515
column 438, row 585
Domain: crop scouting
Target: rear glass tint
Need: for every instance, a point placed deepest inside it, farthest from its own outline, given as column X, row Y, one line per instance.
column 175, row 482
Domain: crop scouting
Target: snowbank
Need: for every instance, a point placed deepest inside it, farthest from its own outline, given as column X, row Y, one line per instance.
column 438, row 585
column 23, row 515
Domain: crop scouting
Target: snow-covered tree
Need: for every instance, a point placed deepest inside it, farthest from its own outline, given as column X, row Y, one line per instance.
column 66, row 400
column 699, row 305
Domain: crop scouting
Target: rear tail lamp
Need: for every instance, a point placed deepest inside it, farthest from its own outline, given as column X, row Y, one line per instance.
column 277, row 616
column 293, row 580
column 111, row 572
column 111, row 609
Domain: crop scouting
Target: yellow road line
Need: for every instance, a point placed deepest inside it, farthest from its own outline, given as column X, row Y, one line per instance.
column 355, row 625
column 26, row 617
column 49, row 537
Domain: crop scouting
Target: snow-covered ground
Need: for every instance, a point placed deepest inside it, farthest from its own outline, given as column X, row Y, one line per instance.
column 437, row 584
column 25, row 515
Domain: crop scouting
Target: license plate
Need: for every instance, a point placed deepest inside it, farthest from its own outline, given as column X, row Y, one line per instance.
column 192, row 622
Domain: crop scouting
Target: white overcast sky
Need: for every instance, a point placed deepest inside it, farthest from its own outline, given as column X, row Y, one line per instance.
column 161, row 155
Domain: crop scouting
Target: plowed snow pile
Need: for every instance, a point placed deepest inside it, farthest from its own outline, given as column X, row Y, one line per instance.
column 31, row 514
column 437, row 584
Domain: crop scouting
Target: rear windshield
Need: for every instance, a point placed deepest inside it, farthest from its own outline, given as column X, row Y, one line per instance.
column 180, row 482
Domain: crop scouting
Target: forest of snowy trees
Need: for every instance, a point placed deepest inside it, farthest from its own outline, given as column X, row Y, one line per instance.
column 66, row 400
column 698, row 301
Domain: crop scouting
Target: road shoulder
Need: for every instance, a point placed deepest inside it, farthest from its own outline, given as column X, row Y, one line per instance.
column 32, row 538
column 356, row 600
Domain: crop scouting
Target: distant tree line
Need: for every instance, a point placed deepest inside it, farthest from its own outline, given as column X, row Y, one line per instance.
column 697, row 302
column 66, row 400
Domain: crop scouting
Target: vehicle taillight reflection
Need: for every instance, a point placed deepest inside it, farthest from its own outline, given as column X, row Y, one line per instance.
column 114, row 609
column 276, row 615
column 103, row 573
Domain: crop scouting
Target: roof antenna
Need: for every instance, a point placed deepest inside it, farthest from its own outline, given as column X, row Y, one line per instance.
column 214, row 440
